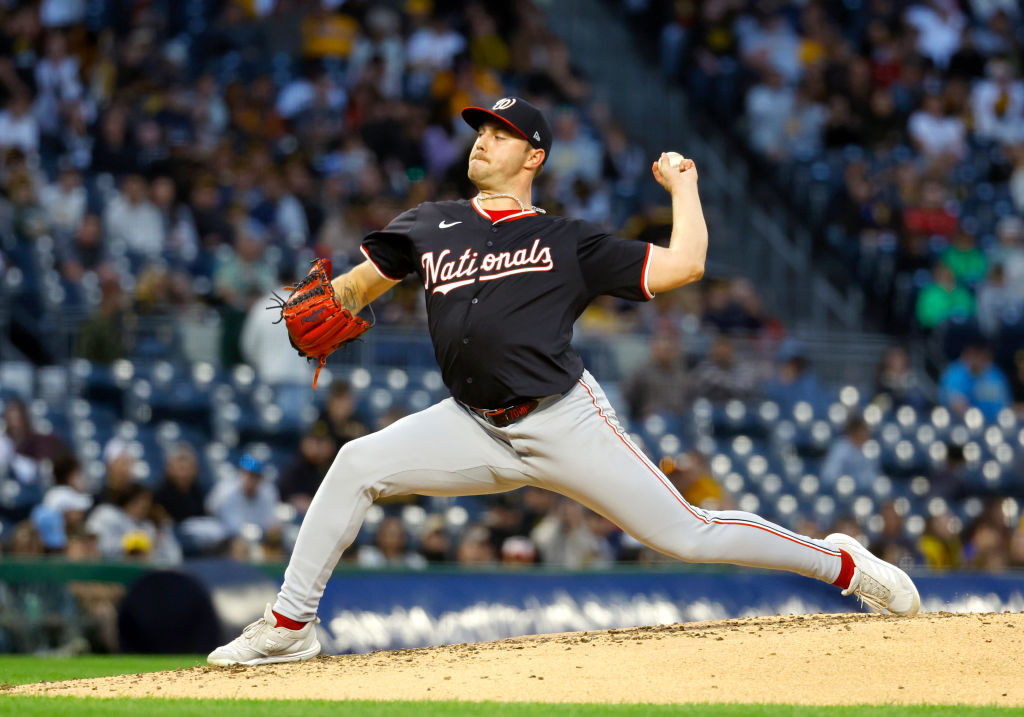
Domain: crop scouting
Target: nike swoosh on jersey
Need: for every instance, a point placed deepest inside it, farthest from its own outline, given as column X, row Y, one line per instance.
column 447, row 225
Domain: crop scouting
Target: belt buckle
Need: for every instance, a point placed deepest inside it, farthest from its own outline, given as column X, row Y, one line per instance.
column 501, row 417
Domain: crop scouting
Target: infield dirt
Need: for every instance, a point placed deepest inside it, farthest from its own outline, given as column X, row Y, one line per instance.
column 934, row 658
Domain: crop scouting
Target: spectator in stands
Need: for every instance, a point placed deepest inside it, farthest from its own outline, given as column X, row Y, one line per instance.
column 64, row 201
column 940, row 543
column 963, row 257
column 49, row 525
column 264, row 345
column 435, row 545
column 432, row 47
column 475, row 547
column 997, row 301
column 26, row 440
column 794, row 379
column 84, row 251
column 68, row 495
column 383, row 43
column 102, row 338
column 301, row 479
column 574, row 155
column 390, row 548
column 339, row 414
column 846, row 457
column 997, row 102
column 517, row 550
column 245, row 500
column 929, row 215
column 769, row 106
column 892, row 543
column 504, row 519
column 125, row 528
column 935, row 134
column 939, row 25
column 691, row 474
column 121, row 467
column 20, row 214
column 897, row 383
column 660, row 385
column 25, row 541
column 1009, row 252
column 284, row 214
column 179, row 493
column 950, row 478
column 733, row 306
column 974, row 381
column 942, row 299
column 132, row 220
column 770, row 41
column 987, row 540
column 721, row 376
column 18, row 126
column 564, row 538
column 182, row 242
column 243, row 276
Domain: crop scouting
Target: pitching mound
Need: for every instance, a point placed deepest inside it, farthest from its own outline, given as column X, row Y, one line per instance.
column 937, row 658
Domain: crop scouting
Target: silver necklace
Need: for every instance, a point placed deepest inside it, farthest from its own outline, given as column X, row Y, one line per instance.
column 522, row 208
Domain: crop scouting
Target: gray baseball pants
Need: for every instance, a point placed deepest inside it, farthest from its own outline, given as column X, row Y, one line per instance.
column 574, row 446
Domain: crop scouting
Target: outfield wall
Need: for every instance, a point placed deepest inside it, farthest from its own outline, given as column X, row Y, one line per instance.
column 363, row 610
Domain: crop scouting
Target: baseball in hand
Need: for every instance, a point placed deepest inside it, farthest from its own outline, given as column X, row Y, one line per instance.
column 674, row 159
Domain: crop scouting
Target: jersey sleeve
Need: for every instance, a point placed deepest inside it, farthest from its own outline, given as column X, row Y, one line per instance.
column 612, row 265
column 390, row 249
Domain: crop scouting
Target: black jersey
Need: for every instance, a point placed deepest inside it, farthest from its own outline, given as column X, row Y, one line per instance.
column 502, row 296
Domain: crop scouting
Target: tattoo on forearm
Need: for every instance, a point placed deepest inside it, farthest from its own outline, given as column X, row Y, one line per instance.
column 349, row 298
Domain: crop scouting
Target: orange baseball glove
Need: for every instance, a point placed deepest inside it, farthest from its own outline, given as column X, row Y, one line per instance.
column 317, row 322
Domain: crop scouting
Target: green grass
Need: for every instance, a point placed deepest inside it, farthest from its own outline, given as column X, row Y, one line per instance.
column 21, row 669
column 16, row 669
column 85, row 707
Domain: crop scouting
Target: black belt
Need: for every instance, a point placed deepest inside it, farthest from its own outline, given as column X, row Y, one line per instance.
column 502, row 417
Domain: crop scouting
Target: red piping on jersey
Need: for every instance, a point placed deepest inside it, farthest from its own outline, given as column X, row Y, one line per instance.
column 497, row 215
column 647, row 269
column 679, row 498
column 507, row 218
column 375, row 266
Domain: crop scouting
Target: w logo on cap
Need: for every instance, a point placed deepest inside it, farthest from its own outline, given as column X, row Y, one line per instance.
column 504, row 103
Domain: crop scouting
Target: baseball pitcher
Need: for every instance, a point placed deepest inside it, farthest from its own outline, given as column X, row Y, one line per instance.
column 504, row 283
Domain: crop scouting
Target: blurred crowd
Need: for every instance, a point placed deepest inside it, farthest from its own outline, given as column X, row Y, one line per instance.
column 177, row 161
column 165, row 159
column 898, row 130
column 689, row 413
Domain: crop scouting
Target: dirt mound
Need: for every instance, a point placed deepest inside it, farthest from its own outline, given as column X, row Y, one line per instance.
column 936, row 658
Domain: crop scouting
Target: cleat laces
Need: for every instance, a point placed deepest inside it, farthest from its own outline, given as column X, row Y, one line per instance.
column 254, row 628
column 870, row 591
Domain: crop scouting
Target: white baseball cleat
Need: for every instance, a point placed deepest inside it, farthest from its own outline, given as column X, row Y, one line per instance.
column 262, row 643
column 878, row 584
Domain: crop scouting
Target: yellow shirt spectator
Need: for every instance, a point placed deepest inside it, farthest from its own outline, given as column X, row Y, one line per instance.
column 328, row 35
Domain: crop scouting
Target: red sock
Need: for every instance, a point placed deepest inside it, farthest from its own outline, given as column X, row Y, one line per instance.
column 283, row 621
column 845, row 572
